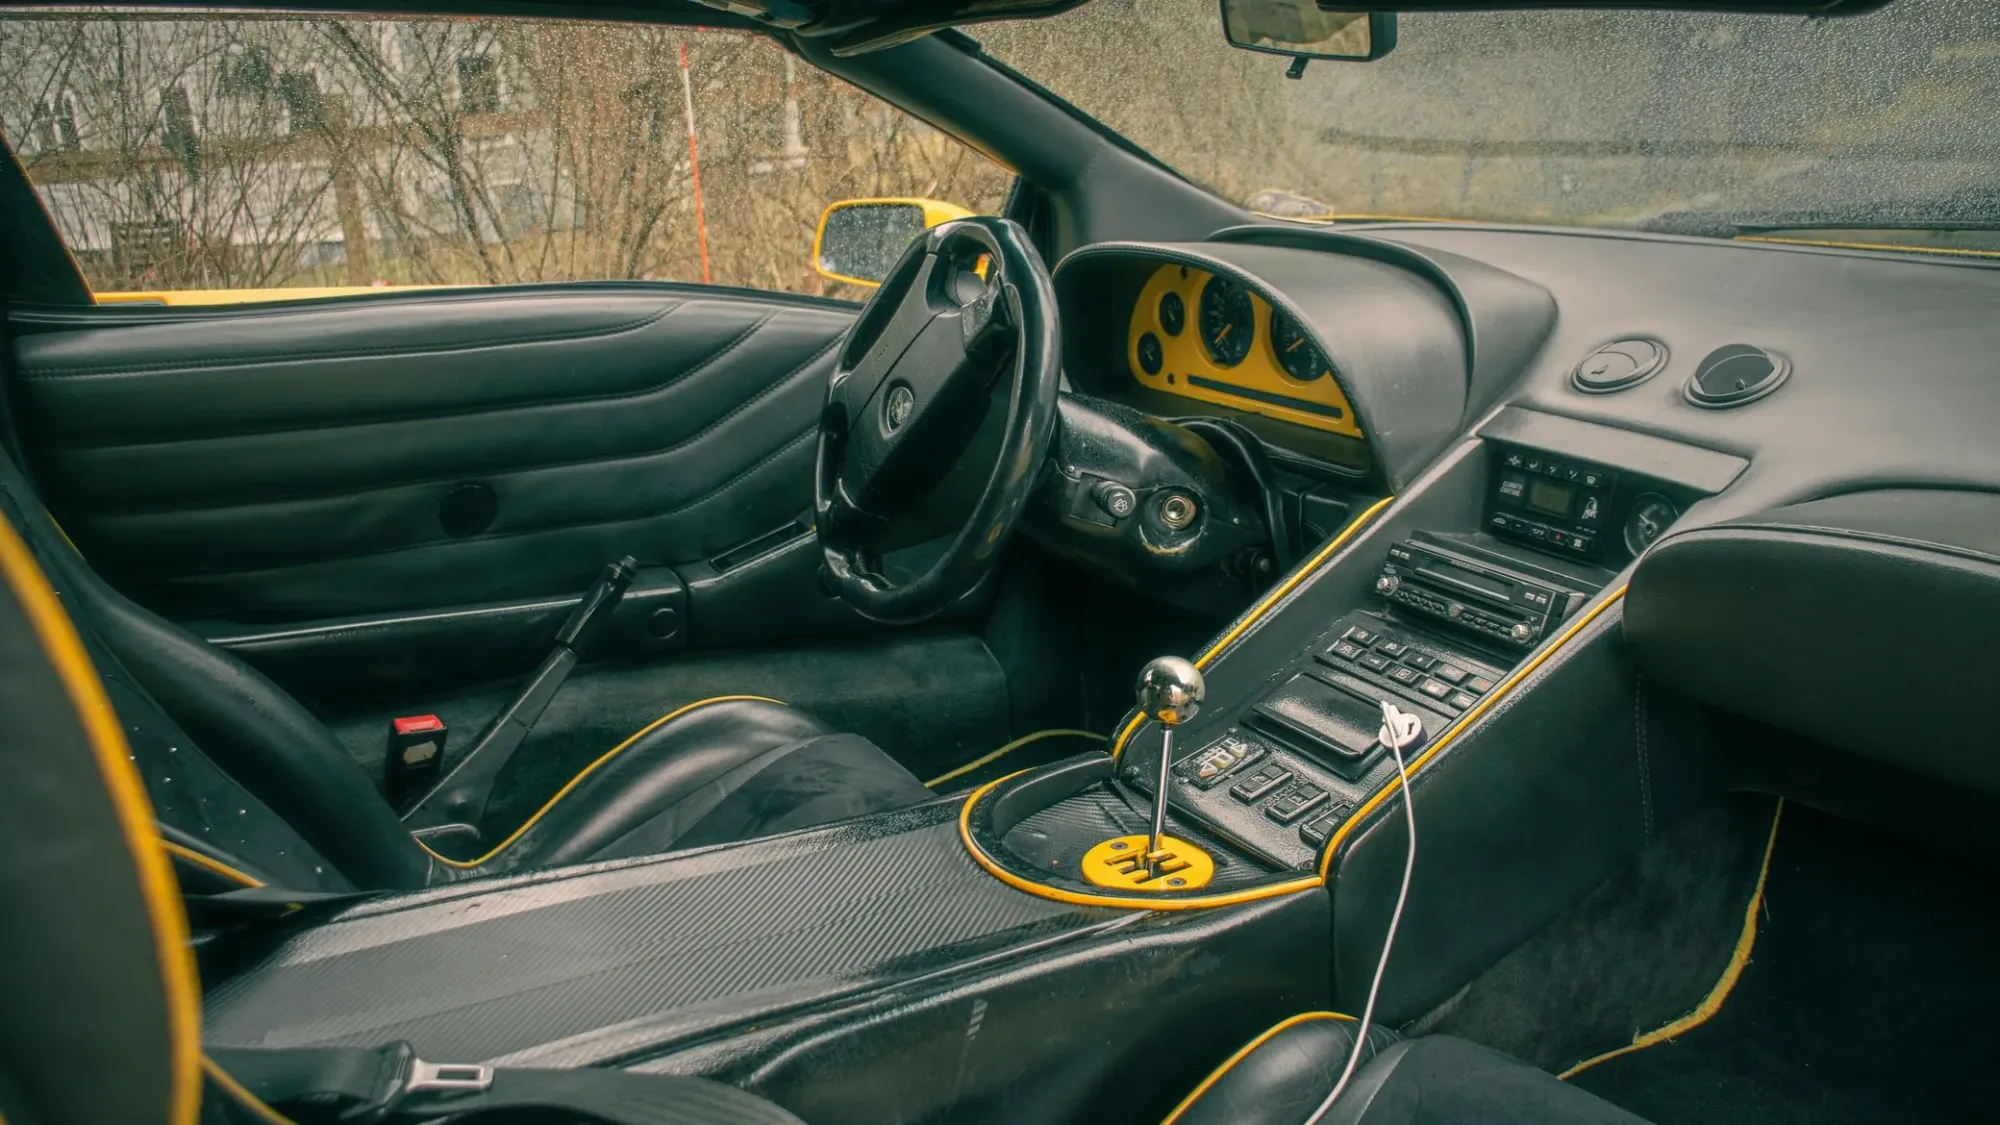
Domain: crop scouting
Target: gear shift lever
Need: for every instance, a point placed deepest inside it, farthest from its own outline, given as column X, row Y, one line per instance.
column 1170, row 692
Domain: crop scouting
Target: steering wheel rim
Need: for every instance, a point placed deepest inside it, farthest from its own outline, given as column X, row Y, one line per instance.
column 877, row 420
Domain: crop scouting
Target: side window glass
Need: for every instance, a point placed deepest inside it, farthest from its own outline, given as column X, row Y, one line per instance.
column 231, row 159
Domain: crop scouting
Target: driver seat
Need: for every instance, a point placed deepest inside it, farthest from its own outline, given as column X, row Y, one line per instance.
column 250, row 789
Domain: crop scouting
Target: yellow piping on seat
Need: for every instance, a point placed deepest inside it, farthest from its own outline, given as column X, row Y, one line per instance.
column 1263, row 606
column 210, row 864
column 1243, row 1052
column 181, row 994
column 988, row 759
column 1711, row 1004
column 466, row 865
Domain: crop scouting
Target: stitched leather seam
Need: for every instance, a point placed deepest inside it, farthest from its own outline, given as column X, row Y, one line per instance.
column 182, row 366
column 444, row 414
column 569, row 525
column 1645, row 760
column 103, row 510
column 1873, row 537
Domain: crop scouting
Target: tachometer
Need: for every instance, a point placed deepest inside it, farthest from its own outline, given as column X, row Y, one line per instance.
column 1297, row 354
column 1228, row 321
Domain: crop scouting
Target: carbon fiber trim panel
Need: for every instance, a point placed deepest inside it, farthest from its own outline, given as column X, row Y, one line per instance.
column 675, row 945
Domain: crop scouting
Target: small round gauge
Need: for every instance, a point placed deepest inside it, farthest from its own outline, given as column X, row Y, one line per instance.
column 1228, row 321
column 1173, row 313
column 1151, row 356
column 1651, row 515
column 1297, row 354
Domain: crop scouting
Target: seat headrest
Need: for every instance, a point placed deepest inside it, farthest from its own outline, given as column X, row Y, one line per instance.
column 96, row 974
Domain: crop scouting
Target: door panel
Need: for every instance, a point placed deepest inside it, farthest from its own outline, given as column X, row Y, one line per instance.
column 422, row 450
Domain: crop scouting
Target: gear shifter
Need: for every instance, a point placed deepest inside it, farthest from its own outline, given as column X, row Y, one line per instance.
column 1170, row 691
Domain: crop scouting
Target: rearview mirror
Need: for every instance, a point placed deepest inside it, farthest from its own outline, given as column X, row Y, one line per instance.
column 1298, row 28
column 859, row 240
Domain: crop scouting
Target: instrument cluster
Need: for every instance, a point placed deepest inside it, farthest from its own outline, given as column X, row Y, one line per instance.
column 1207, row 336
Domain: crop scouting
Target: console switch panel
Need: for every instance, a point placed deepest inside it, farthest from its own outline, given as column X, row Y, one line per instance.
column 1334, row 724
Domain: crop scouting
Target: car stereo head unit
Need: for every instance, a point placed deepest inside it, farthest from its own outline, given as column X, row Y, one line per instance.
column 1498, row 604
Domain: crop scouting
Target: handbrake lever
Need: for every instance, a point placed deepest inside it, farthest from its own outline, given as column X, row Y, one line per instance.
column 460, row 796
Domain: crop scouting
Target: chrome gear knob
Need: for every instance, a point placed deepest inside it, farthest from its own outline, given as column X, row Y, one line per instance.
column 1170, row 690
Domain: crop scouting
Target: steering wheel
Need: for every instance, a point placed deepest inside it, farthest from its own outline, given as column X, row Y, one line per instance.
column 915, row 382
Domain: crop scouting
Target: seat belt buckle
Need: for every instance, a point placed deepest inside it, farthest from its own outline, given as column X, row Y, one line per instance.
column 416, row 751
column 446, row 1078
column 405, row 1078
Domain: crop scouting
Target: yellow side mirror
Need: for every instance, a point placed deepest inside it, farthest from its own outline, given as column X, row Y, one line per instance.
column 859, row 240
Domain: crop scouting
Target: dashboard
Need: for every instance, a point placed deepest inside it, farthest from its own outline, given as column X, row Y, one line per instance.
column 1542, row 421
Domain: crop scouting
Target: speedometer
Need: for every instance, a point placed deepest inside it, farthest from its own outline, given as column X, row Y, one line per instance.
column 1228, row 321
column 1297, row 354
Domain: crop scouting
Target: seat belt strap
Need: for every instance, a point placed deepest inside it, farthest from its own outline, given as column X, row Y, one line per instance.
column 391, row 1086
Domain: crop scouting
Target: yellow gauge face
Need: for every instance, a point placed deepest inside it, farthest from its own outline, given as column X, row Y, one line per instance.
column 1204, row 337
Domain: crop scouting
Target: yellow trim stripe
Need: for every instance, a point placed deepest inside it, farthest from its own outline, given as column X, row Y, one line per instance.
column 1128, row 902
column 1893, row 247
column 180, row 992
column 1739, row 958
column 466, row 865
column 243, row 1097
column 1257, row 611
column 1465, row 721
column 1060, row 732
column 1243, row 1052
column 209, row 864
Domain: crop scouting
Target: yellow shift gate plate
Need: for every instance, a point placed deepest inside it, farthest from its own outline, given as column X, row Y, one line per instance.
column 1121, row 863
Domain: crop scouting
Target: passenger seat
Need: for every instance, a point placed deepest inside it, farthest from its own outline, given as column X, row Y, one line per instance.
column 1280, row 1078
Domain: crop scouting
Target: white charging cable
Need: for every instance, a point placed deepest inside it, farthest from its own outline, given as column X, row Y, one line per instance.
column 1399, row 729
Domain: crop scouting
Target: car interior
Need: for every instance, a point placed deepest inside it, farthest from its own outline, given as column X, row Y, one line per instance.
column 1148, row 659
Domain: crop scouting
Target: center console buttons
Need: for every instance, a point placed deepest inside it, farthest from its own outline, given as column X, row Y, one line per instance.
column 1260, row 783
column 1208, row 768
column 1295, row 803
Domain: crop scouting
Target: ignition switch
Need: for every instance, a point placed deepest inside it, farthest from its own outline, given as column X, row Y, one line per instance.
column 1178, row 510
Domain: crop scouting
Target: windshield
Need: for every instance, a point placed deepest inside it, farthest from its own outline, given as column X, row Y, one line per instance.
column 1694, row 122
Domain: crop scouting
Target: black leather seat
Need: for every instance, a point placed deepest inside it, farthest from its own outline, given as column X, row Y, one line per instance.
column 248, row 786
column 1281, row 1077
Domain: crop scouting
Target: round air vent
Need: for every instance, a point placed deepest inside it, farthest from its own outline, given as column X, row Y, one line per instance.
column 1734, row 374
column 1618, row 365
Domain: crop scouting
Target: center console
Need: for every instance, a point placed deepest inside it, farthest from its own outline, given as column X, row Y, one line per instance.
column 1446, row 612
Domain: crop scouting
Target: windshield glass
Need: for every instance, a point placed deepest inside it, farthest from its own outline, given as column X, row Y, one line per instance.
column 1698, row 122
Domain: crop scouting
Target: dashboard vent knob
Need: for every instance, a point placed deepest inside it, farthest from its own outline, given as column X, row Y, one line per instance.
column 1734, row 374
column 1618, row 365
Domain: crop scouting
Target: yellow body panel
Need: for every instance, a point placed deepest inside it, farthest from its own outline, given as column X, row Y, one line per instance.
column 1259, row 373
column 249, row 296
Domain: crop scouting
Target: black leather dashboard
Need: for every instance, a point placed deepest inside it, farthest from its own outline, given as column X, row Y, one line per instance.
column 1865, row 621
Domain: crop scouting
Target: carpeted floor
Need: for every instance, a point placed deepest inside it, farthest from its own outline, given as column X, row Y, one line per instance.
column 1870, row 995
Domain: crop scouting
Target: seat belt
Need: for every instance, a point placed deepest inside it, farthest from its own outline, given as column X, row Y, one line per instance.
column 392, row 1086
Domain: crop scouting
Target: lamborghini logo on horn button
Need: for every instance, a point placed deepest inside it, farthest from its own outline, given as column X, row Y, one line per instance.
column 896, row 410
